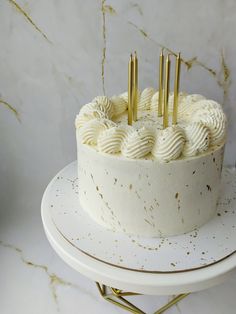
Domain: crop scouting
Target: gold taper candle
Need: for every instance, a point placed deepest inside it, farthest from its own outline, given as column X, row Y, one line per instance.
column 160, row 98
column 130, row 90
column 166, row 92
column 135, row 96
column 176, row 89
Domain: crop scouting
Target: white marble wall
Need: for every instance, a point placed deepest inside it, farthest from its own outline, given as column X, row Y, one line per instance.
column 56, row 55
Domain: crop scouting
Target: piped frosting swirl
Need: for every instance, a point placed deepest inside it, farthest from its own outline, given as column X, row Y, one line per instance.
column 138, row 143
column 91, row 130
column 169, row 144
column 119, row 105
column 145, row 98
column 214, row 119
column 110, row 140
column 197, row 139
column 103, row 123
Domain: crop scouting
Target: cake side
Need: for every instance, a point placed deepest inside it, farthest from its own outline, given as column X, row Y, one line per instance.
column 146, row 180
column 146, row 197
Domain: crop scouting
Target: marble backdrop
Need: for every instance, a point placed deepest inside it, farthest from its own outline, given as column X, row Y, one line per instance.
column 55, row 56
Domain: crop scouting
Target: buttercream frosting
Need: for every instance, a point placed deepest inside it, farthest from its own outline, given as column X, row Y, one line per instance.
column 138, row 143
column 197, row 137
column 103, row 122
column 169, row 143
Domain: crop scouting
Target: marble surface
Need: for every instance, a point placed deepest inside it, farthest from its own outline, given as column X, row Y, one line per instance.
column 54, row 57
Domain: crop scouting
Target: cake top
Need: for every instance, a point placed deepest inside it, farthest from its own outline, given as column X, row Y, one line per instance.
column 103, row 125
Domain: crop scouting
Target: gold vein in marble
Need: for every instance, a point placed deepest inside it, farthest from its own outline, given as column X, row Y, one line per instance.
column 103, row 9
column 109, row 9
column 28, row 18
column 137, row 7
column 194, row 61
column 55, row 280
column 224, row 78
column 11, row 108
column 187, row 63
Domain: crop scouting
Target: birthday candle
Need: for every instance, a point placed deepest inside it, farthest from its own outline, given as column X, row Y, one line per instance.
column 160, row 99
column 130, row 90
column 166, row 92
column 135, row 82
column 176, row 89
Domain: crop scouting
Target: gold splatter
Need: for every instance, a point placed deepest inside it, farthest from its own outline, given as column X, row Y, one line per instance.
column 179, row 204
column 11, row 108
column 151, row 224
column 28, row 18
column 208, row 187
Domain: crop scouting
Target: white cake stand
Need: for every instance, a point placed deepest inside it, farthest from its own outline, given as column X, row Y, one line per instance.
column 179, row 268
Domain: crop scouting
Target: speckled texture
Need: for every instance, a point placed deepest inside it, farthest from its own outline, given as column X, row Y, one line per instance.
column 146, row 197
column 204, row 246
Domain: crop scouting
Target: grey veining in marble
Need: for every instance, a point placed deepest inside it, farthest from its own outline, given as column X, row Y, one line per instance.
column 54, row 57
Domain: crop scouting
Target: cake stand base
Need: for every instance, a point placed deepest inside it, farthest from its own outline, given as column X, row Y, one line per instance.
column 176, row 266
column 117, row 297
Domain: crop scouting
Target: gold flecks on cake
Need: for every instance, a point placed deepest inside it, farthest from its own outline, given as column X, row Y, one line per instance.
column 138, row 195
column 150, row 223
column 208, row 187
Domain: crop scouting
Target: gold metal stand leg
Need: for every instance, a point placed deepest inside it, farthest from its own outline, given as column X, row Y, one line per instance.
column 116, row 297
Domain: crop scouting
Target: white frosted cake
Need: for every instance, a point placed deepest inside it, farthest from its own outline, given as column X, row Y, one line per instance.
column 146, row 180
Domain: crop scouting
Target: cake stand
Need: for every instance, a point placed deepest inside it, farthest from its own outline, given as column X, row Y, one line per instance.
column 124, row 265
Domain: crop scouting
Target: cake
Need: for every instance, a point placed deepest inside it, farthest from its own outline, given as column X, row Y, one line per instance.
column 146, row 180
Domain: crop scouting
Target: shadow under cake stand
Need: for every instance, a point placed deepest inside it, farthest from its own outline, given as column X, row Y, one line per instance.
column 155, row 266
